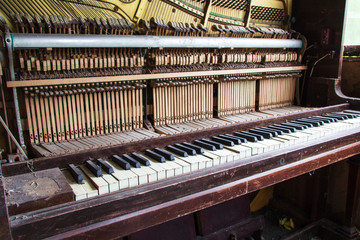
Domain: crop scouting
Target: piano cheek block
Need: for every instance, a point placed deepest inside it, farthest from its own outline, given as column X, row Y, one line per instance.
column 28, row 192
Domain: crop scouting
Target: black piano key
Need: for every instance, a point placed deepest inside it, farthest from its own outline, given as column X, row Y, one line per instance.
column 224, row 141
column 121, row 162
column 314, row 122
column 292, row 129
column 235, row 140
column 338, row 117
column 205, row 145
column 258, row 136
column 243, row 140
column 348, row 115
column 308, row 124
column 140, row 159
column 166, row 155
column 355, row 113
column 352, row 115
column 332, row 119
column 95, row 169
column 284, row 130
column 275, row 132
column 76, row 174
column 190, row 151
column 199, row 150
column 325, row 120
column 218, row 146
column 105, row 166
column 131, row 160
column 265, row 134
column 294, row 125
column 248, row 137
column 177, row 151
column 272, row 131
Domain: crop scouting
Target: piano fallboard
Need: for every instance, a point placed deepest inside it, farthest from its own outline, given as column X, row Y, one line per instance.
column 127, row 211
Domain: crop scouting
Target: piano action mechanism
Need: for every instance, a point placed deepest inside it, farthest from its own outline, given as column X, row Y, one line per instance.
column 141, row 112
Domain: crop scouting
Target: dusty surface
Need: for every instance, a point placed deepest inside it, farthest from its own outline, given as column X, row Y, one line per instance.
column 31, row 191
column 40, row 187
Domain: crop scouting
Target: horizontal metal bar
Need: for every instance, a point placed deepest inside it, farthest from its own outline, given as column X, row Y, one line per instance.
column 28, row 41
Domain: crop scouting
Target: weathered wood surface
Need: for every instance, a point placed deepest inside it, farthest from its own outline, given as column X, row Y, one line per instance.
column 4, row 218
column 134, row 77
column 125, row 212
column 80, row 157
column 31, row 191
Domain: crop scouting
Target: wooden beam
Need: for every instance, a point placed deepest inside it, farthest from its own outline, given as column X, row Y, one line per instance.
column 67, row 81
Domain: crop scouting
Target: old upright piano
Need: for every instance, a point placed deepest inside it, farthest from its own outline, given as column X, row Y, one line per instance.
column 128, row 114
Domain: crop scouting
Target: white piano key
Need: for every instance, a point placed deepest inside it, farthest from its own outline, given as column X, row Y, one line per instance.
column 222, row 157
column 185, row 167
column 126, row 178
column 224, row 153
column 142, row 175
column 151, row 173
column 172, row 169
column 194, row 165
column 274, row 144
column 112, row 182
column 268, row 146
column 101, row 185
column 214, row 158
column 315, row 134
column 161, row 170
column 256, row 148
column 282, row 142
column 303, row 137
column 77, row 188
column 241, row 151
column 208, row 161
column 90, row 189
column 290, row 139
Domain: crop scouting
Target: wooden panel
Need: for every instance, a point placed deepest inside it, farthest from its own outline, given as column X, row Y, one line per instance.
column 178, row 229
column 223, row 215
column 30, row 191
column 330, row 93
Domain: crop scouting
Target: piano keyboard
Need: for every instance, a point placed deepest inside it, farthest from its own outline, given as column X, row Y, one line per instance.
column 101, row 176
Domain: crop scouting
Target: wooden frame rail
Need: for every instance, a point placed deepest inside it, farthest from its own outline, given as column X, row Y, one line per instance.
column 66, row 81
